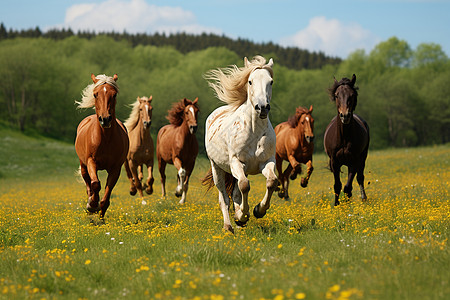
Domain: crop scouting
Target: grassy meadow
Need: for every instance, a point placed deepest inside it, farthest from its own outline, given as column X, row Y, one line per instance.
column 395, row 246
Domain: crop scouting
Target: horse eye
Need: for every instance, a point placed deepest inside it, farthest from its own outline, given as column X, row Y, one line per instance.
column 250, row 82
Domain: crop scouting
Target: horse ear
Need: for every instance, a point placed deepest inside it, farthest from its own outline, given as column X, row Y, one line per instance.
column 150, row 98
column 93, row 78
column 115, row 77
column 246, row 63
column 195, row 101
column 270, row 63
column 186, row 102
column 310, row 109
column 335, row 81
column 139, row 99
column 353, row 79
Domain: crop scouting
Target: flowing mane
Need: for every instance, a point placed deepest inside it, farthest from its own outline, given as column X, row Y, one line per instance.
column 88, row 99
column 336, row 84
column 293, row 120
column 175, row 114
column 133, row 119
column 230, row 84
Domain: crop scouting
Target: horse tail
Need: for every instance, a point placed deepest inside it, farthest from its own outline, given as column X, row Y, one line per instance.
column 208, row 181
column 78, row 176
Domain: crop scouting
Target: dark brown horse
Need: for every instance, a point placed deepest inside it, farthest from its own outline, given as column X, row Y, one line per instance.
column 141, row 146
column 176, row 144
column 295, row 144
column 102, row 140
column 346, row 139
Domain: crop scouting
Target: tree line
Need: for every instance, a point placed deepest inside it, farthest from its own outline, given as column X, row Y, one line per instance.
column 403, row 93
column 291, row 57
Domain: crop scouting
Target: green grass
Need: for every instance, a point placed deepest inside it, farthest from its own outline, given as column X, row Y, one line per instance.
column 393, row 247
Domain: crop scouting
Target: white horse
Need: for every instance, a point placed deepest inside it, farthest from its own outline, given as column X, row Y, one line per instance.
column 239, row 138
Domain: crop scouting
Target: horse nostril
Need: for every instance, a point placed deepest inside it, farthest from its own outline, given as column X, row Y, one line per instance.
column 257, row 107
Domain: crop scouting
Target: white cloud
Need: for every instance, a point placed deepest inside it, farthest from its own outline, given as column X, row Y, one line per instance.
column 133, row 16
column 332, row 37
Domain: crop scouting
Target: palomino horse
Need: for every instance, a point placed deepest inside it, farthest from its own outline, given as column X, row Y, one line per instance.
column 102, row 140
column 177, row 144
column 141, row 146
column 346, row 139
column 239, row 137
column 295, row 144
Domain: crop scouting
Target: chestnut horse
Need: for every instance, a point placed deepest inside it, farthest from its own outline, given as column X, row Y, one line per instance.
column 295, row 144
column 346, row 139
column 141, row 146
column 102, row 140
column 177, row 144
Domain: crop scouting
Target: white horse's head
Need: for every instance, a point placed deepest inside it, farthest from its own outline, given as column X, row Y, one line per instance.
column 259, row 88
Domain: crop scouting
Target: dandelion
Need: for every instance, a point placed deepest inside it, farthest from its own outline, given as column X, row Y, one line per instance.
column 87, row 262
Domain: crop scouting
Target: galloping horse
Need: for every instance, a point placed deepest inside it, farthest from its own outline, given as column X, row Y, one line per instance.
column 295, row 144
column 346, row 139
column 102, row 140
column 141, row 146
column 239, row 138
column 176, row 144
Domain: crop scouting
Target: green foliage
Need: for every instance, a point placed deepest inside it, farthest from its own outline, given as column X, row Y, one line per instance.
column 403, row 93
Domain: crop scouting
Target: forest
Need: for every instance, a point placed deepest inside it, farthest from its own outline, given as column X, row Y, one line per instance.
column 404, row 93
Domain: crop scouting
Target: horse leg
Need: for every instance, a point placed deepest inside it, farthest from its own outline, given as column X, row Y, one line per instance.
column 348, row 186
column 185, row 189
column 296, row 167
column 285, row 182
column 337, row 183
column 150, row 179
column 86, row 178
column 309, row 170
column 181, row 177
column 137, row 182
column 93, row 205
column 140, row 172
column 241, row 215
column 279, row 166
column 130, row 177
column 268, row 170
column 162, row 171
column 111, row 181
column 360, row 179
column 224, row 200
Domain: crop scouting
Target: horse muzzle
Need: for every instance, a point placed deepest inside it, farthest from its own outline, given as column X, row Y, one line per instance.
column 105, row 122
column 193, row 129
column 345, row 118
column 147, row 124
column 309, row 139
column 263, row 111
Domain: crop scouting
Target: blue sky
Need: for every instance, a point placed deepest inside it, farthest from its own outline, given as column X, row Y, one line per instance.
column 336, row 28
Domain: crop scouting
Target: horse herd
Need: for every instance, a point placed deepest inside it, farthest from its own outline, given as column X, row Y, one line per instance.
column 239, row 141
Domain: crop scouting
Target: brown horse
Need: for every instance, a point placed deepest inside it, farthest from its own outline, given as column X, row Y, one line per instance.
column 295, row 145
column 141, row 146
column 102, row 140
column 176, row 144
column 346, row 139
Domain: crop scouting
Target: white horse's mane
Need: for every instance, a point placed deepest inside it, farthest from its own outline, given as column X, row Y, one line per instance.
column 230, row 84
column 88, row 99
column 133, row 119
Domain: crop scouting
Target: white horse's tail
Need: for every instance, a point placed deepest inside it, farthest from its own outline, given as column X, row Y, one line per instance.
column 208, row 181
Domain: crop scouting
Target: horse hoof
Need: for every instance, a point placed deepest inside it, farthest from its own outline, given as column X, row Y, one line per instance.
column 133, row 192
column 228, row 228
column 178, row 194
column 149, row 190
column 240, row 223
column 303, row 183
column 293, row 177
column 281, row 195
column 91, row 209
column 256, row 212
